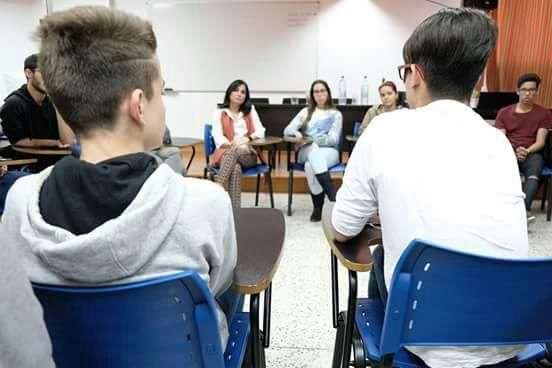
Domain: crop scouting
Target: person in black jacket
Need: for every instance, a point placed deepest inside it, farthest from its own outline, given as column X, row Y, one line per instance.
column 29, row 119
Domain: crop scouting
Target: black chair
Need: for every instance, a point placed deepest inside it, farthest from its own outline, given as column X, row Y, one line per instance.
column 259, row 100
column 287, row 101
column 348, row 102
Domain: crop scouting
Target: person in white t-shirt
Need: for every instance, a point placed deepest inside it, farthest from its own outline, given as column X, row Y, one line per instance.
column 320, row 122
column 235, row 124
column 437, row 171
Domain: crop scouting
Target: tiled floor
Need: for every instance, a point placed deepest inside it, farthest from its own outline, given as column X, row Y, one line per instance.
column 302, row 334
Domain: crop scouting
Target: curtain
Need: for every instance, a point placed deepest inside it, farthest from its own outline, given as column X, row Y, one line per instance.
column 524, row 46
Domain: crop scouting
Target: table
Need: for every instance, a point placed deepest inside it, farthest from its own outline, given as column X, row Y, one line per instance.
column 183, row 142
column 268, row 141
column 260, row 234
column 276, row 117
column 11, row 162
column 355, row 256
column 43, row 151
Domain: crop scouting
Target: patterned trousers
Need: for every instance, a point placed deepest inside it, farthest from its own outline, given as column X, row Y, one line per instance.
column 232, row 162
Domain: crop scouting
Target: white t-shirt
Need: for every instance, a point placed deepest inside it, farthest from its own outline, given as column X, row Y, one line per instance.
column 438, row 173
column 240, row 126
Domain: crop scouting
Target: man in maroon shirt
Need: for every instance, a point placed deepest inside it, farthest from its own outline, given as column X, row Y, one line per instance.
column 526, row 125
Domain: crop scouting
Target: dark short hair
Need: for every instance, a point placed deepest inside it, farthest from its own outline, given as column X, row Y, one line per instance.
column 452, row 47
column 528, row 77
column 245, row 107
column 31, row 62
column 91, row 58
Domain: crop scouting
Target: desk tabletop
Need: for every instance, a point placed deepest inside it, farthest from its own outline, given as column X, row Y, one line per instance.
column 293, row 139
column 260, row 234
column 355, row 253
column 46, row 151
column 182, row 142
column 26, row 161
column 266, row 141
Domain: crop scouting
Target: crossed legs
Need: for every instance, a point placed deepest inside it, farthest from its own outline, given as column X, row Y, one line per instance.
column 234, row 160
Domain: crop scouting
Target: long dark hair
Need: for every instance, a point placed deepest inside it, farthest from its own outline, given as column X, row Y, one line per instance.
column 245, row 107
column 312, row 103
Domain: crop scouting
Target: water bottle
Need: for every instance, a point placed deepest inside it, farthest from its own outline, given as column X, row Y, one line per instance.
column 342, row 91
column 364, row 91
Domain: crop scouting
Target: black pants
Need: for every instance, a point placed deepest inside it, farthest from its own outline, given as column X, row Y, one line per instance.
column 376, row 285
column 532, row 166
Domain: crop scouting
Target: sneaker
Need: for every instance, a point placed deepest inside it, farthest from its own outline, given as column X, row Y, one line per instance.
column 530, row 218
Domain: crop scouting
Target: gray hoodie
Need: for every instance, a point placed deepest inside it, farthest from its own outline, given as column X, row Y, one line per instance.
column 173, row 224
column 24, row 341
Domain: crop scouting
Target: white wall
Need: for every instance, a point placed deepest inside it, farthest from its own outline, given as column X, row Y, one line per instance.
column 356, row 38
column 19, row 21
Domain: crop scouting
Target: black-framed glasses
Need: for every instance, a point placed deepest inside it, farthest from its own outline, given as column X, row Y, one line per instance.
column 403, row 69
column 406, row 68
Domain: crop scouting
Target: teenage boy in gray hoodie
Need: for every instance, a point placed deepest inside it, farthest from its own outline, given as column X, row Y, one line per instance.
column 115, row 215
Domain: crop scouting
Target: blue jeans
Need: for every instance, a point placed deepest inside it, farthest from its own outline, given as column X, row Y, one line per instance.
column 230, row 302
column 6, row 183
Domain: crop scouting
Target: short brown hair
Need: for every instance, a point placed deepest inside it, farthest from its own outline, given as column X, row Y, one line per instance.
column 92, row 57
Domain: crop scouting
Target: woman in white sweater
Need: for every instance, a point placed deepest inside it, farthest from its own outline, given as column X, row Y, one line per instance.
column 322, row 123
column 235, row 124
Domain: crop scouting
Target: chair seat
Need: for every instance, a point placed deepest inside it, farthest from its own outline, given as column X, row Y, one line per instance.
column 339, row 168
column 369, row 320
column 237, row 341
column 252, row 171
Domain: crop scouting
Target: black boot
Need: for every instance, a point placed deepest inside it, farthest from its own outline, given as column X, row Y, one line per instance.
column 328, row 186
column 317, row 203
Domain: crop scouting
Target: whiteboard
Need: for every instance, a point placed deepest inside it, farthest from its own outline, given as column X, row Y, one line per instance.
column 205, row 45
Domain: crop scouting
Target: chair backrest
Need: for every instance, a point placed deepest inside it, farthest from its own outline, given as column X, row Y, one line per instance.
column 165, row 322
column 300, row 101
column 208, row 141
column 348, row 101
column 259, row 100
column 440, row 296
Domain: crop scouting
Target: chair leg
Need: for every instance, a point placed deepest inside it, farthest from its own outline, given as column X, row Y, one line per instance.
column 254, row 336
column 335, row 290
column 338, row 344
column 350, row 321
column 266, row 315
column 290, row 190
column 257, row 190
column 544, row 193
column 270, row 189
column 205, row 173
column 359, row 354
column 549, row 199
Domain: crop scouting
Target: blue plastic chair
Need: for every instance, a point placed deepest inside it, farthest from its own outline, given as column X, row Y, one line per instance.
column 166, row 322
column 442, row 297
column 209, row 146
column 296, row 166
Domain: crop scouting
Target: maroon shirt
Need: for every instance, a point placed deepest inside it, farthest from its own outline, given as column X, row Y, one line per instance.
column 521, row 128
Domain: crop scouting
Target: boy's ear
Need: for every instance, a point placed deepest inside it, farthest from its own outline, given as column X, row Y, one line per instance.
column 136, row 106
